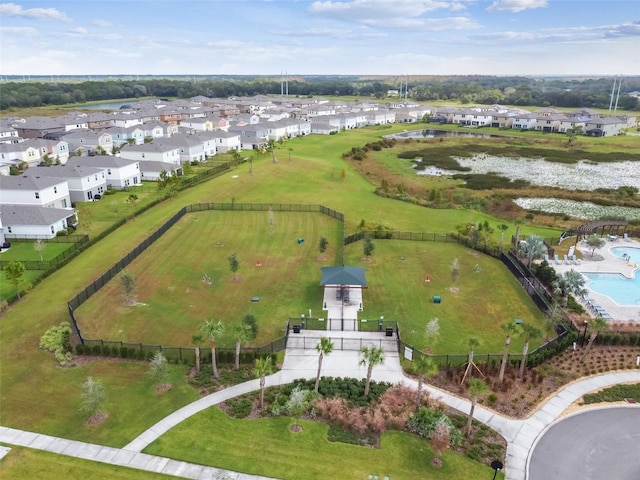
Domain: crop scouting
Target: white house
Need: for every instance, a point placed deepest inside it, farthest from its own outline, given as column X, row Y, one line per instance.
column 150, row 171
column 251, row 136
column 226, row 141
column 604, row 127
column 30, row 221
column 200, row 124
column 119, row 172
column 30, row 188
column 525, row 121
column 471, row 117
column 84, row 182
column 324, row 128
column 155, row 152
column 190, row 147
column 380, row 117
column 153, row 129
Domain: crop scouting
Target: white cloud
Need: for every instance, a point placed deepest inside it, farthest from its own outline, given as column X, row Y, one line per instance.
column 516, row 5
column 19, row 31
column 102, row 23
column 328, row 33
column 13, row 10
column 78, row 31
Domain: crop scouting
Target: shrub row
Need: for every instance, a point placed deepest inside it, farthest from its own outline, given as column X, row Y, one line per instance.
column 560, row 346
column 222, row 356
column 614, row 338
column 350, row 389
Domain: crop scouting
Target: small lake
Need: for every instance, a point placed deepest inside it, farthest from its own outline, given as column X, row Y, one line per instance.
column 432, row 133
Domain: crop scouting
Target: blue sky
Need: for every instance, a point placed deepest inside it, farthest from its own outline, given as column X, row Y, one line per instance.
column 366, row 37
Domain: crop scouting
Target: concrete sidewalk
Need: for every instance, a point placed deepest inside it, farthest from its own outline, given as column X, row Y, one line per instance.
column 521, row 435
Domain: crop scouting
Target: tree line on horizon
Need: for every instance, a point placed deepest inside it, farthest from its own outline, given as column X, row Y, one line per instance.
column 468, row 89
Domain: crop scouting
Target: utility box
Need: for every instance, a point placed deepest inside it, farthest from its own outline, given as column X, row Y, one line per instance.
column 437, row 299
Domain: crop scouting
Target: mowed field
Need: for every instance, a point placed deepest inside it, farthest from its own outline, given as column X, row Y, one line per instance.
column 173, row 300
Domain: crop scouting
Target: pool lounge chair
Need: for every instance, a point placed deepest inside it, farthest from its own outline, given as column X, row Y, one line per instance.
column 565, row 260
column 626, row 237
column 547, row 259
column 556, row 259
column 576, row 261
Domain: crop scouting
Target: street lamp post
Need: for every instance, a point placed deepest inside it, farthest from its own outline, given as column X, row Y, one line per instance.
column 497, row 466
column 584, row 333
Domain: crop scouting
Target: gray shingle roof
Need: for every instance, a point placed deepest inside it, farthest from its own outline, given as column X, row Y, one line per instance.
column 28, row 181
column 32, row 215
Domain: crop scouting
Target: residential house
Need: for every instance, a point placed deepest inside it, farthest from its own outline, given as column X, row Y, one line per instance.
column 16, row 153
column 84, row 182
column 57, row 151
column 122, row 135
column 549, row 123
column 86, row 141
column 8, row 134
column 199, row 124
column 31, row 188
column 502, row 119
column 324, row 128
column 225, row 141
column 189, row 147
column 38, row 127
column 471, row 117
column 604, row 127
column 380, row 117
column 526, row 121
column 154, row 152
column 154, row 129
column 34, row 222
column 119, row 172
column 252, row 137
column 569, row 124
column 150, row 171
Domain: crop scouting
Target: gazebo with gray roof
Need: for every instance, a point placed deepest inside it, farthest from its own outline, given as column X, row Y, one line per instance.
column 342, row 300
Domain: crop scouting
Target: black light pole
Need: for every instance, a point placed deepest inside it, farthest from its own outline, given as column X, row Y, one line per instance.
column 584, row 334
column 497, row 466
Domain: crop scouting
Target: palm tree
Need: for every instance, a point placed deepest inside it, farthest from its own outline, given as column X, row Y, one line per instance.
column 529, row 332
column 264, row 367
column 508, row 328
column 212, row 330
column 517, row 222
column 196, row 340
column 533, row 248
column 477, row 387
column 599, row 325
column 371, row 356
column 324, row 347
column 570, row 282
column 425, row 367
column 241, row 334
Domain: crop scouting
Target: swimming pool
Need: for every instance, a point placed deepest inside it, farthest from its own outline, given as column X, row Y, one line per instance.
column 621, row 289
column 632, row 252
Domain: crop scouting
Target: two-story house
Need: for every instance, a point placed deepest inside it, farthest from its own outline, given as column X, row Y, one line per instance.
column 119, row 172
column 84, row 182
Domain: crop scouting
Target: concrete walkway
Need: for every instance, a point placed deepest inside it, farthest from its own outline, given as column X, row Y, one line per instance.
column 521, row 435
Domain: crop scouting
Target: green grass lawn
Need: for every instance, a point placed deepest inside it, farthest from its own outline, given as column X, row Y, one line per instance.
column 173, row 299
column 25, row 251
column 27, row 464
column 212, row 438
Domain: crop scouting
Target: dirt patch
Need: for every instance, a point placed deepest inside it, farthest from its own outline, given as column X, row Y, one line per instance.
column 165, row 387
column 97, row 419
column 518, row 398
column 454, row 290
column 295, row 428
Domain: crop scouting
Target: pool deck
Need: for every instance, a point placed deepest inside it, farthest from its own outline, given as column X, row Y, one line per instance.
column 609, row 264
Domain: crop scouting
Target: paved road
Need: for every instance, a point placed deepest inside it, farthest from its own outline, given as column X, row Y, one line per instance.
column 590, row 445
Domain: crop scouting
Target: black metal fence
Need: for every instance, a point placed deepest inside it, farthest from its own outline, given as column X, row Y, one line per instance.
column 77, row 242
column 307, row 342
column 263, row 207
column 338, row 324
column 423, row 237
column 186, row 355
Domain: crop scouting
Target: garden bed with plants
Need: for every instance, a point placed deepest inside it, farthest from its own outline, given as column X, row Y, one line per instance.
column 356, row 419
